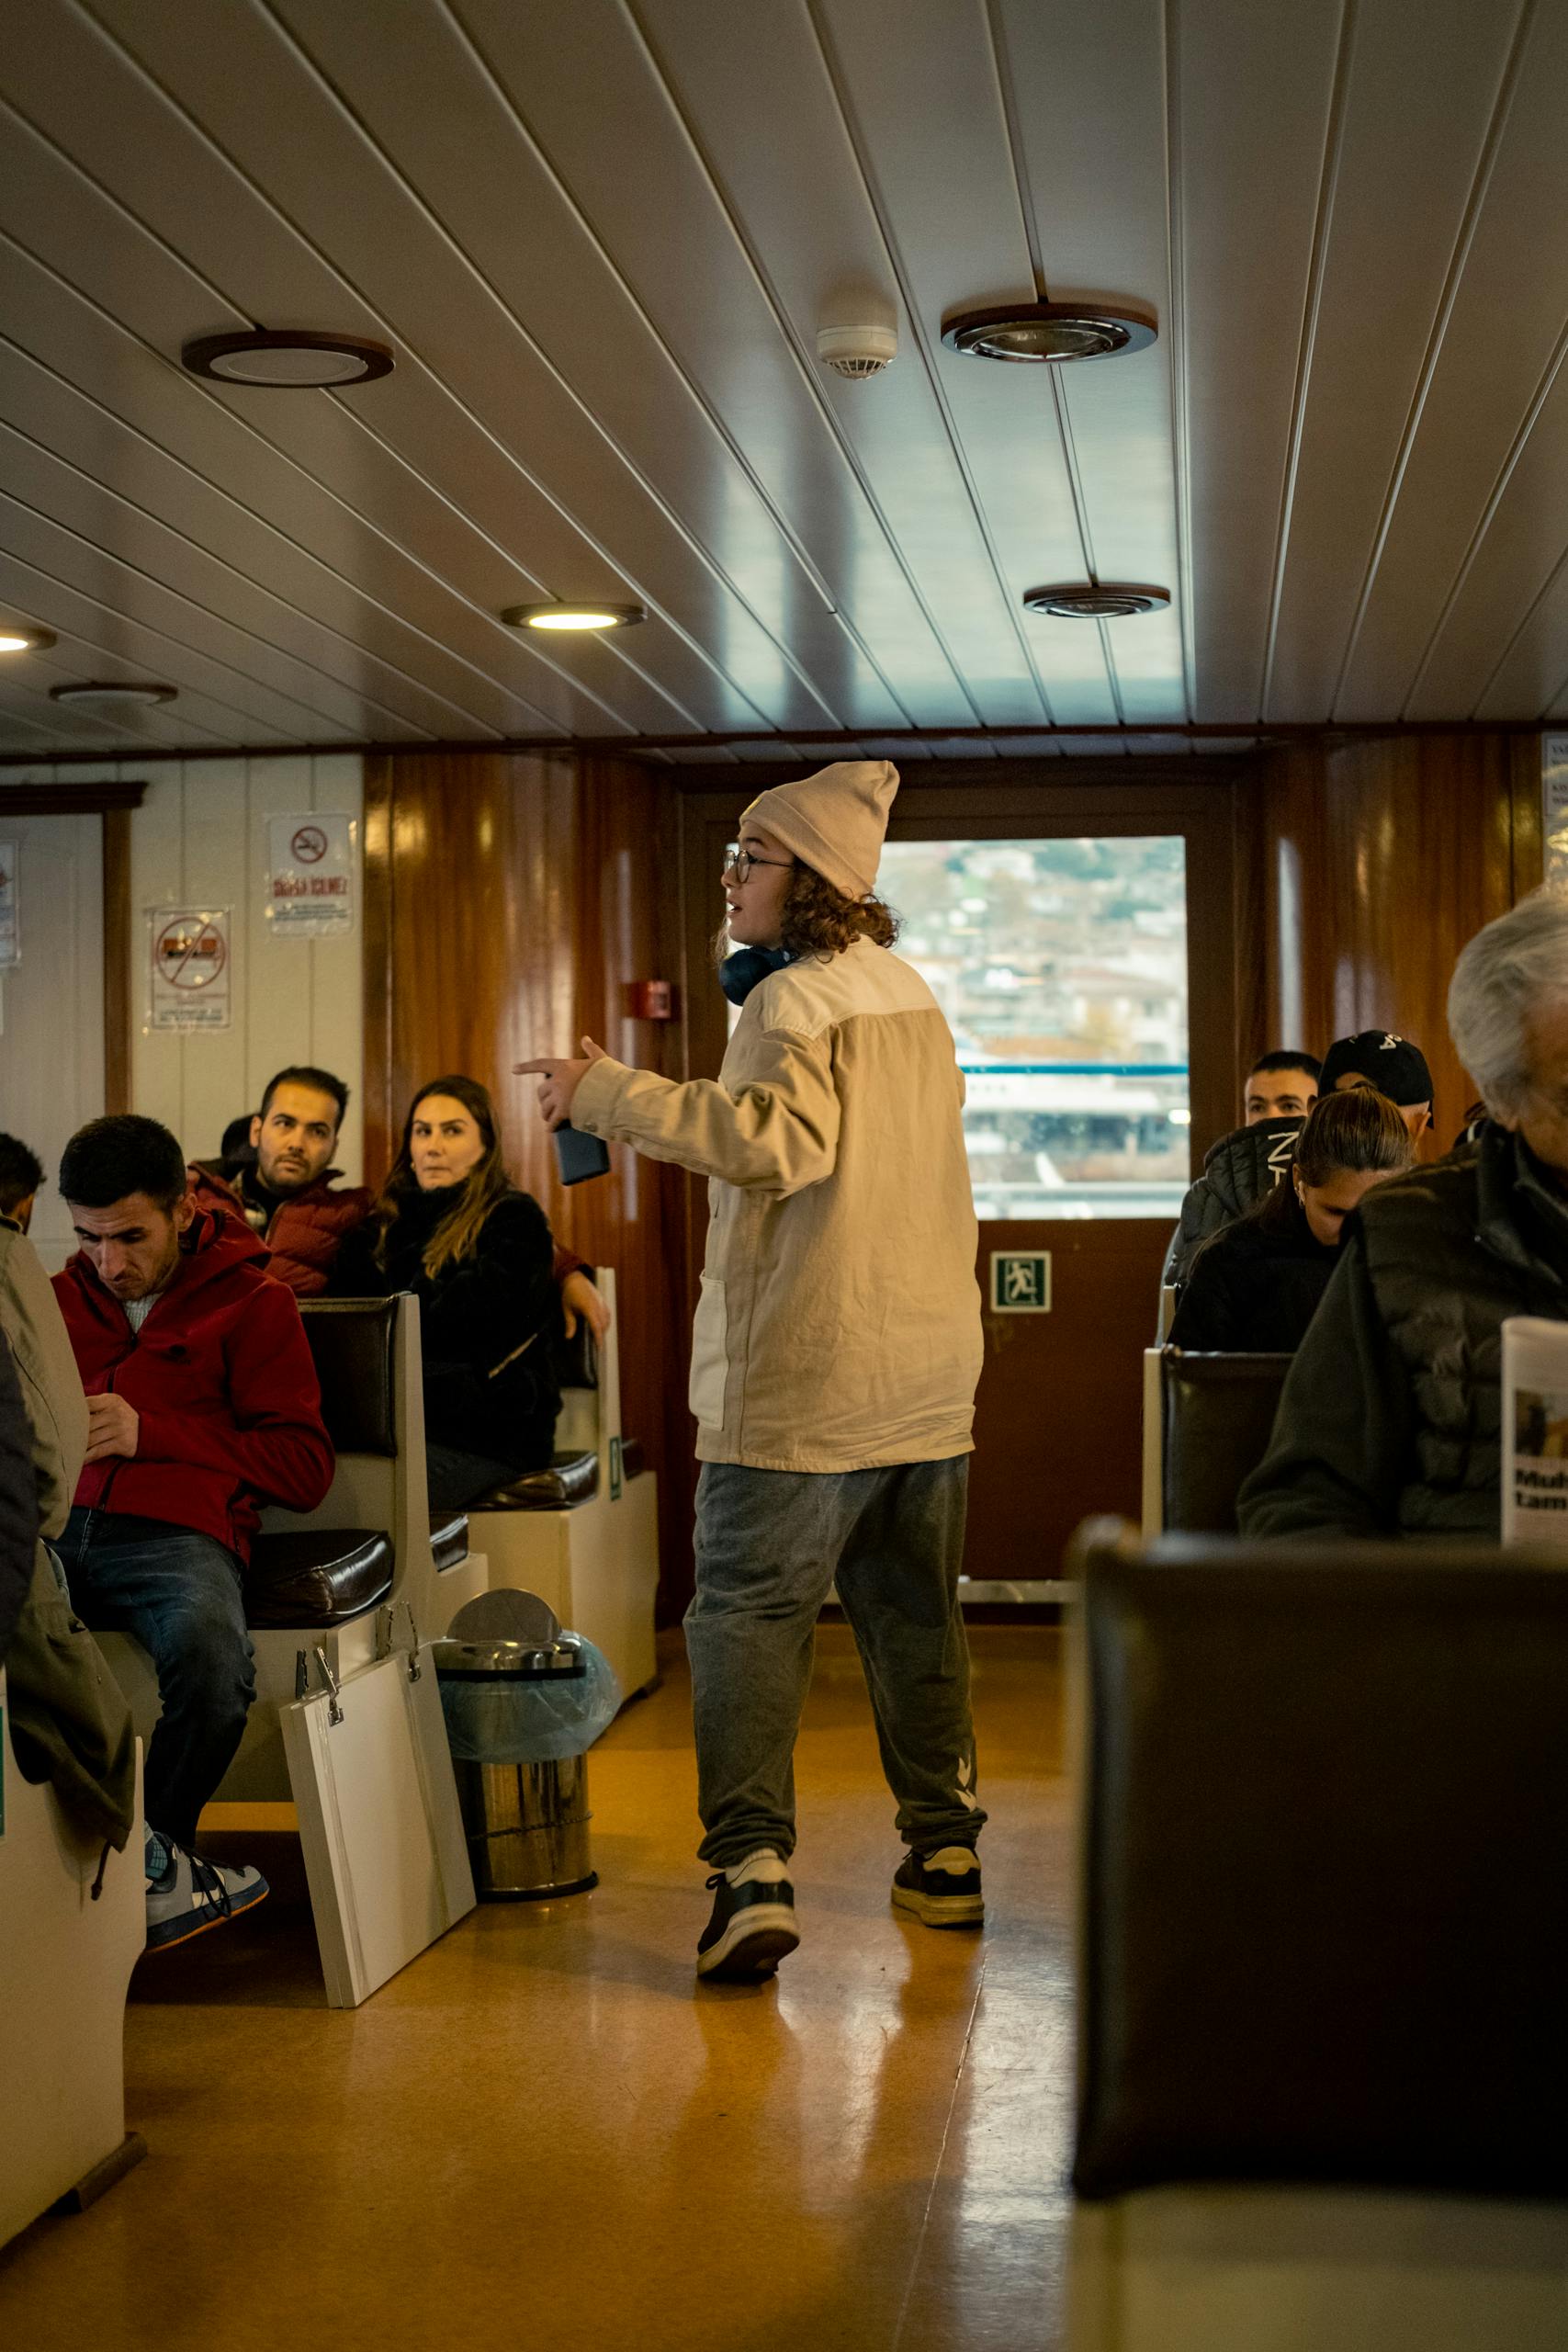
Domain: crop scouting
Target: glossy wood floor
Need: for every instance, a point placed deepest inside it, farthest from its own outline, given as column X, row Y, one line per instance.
column 540, row 2135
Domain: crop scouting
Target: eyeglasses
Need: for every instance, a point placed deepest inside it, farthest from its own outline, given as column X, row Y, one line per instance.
column 739, row 861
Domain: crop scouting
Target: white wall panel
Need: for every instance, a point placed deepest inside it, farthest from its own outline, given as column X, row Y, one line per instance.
column 199, row 840
column 51, row 1005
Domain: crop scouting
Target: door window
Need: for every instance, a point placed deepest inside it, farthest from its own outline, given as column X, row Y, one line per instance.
column 1062, row 969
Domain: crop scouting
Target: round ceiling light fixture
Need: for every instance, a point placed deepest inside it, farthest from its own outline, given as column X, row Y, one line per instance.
column 286, row 361
column 21, row 637
column 1095, row 600
column 591, row 615
column 108, row 694
column 1050, row 333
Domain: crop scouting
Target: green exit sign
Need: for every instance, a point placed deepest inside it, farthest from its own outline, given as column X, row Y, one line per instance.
column 1020, row 1282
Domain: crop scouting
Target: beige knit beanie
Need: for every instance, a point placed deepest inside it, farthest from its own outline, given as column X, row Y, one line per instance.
column 834, row 821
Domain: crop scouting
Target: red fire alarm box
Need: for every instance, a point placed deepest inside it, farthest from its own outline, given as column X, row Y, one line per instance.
column 650, row 1000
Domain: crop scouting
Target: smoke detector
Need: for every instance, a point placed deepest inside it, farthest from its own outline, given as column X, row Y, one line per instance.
column 858, row 351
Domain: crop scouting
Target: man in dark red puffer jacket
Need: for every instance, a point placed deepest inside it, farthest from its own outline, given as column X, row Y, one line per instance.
column 203, row 1405
column 287, row 1192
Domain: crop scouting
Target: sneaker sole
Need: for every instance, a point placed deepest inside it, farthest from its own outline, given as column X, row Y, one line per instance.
column 173, row 1931
column 751, row 1947
column 940, row 1910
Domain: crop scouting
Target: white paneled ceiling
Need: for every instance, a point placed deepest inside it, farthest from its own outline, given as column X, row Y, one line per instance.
column 601, row 236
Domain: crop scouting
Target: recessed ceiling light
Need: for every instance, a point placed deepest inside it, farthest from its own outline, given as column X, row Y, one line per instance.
column 106, row 693
column 1036, row 332
column 20, row 637
column 281, row 360
column 593, row 616
column 1095, row 600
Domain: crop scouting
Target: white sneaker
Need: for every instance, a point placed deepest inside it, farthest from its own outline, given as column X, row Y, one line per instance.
column 186, row 1894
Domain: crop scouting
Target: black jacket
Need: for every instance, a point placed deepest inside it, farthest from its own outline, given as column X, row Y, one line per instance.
column 490, row 1327
column 1255, row 1288
column 1240, row 1170
column 1390, row 1422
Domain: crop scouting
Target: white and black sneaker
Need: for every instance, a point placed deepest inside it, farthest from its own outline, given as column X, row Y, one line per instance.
column 752, row 1927
column 942, row 1889
column 186, row 1894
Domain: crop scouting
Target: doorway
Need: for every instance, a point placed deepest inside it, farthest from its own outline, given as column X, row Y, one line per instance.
column 1080, row 934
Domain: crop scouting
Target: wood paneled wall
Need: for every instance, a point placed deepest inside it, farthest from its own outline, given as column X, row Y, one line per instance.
column 1378, row 858
column 510, row 901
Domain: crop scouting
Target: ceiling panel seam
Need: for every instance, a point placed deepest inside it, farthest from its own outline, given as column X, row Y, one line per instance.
column 824, row 588
column 805, row 364
column 150, row 628
column 466, row 262
column 209, row 555
column 1322, row 230
column 1175, row 322
column 1508, row 82
column 880, row 211
column 374, row 312
column 245, row 426
column 1538, row 399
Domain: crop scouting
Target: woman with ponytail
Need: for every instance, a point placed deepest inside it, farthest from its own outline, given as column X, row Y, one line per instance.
column 1255, row 1287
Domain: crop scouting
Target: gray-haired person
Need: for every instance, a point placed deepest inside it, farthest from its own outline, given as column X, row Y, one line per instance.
column 1390, row 1420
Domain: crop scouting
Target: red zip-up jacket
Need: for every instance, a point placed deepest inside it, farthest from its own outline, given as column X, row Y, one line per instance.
column 221, row 1375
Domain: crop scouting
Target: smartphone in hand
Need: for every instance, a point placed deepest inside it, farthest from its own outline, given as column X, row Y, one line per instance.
column 578, row 1157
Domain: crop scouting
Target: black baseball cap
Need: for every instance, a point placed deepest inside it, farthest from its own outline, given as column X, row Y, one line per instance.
column 1397, row 1068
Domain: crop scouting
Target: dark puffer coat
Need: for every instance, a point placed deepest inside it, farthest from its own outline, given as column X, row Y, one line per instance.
column 1240, row 1170
column 1391, row 1418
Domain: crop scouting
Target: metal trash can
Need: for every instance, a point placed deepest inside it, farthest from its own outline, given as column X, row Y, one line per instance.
column 520, row 1712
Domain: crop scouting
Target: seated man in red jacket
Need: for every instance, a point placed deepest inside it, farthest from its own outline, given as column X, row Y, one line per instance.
column 290, row 1195
column 203, row 1405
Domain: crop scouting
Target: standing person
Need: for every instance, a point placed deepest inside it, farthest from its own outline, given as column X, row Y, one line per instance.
column 286, row 1191
column 834, row 1358
column 451, row 1227
column 1255, row 1288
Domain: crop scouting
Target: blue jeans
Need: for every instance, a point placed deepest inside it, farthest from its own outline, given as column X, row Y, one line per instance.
column 179, row 1594
column 770, row 1543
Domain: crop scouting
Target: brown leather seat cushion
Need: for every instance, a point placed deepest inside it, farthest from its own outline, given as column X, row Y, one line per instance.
column 320, row 1576
column 634, row 1462
column 570, row 1479
column 449, row 1537
column 1324, row 1917
column 1219, row 1417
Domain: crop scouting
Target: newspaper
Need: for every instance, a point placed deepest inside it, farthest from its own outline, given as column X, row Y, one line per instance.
column 1535, row 1431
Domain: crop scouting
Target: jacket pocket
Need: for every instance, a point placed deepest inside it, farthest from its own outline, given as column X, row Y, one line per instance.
column 710, row 1358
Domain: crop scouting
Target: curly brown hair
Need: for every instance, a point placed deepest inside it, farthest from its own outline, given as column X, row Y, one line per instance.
column 817, row 920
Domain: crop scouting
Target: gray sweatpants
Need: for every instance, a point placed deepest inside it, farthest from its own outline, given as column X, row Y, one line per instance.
column 770, row 1543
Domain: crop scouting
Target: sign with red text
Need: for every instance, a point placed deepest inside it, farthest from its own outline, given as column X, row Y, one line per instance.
column 191, row 967
column 311, row 875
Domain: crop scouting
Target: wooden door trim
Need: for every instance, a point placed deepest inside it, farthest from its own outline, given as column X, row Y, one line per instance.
column 118, row 953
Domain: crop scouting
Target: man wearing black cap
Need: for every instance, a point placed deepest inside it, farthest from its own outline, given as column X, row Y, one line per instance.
column 1391, row 1066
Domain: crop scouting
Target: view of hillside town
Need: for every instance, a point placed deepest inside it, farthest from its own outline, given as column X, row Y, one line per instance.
column 1062, row 969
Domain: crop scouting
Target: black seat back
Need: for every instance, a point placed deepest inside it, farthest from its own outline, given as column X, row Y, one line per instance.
column 351, row 1341
column 1218, row 1415
column 578, row 1360
column 1324, row 1926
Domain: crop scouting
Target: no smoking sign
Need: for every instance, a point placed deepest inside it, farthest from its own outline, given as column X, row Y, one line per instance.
column 190, row 968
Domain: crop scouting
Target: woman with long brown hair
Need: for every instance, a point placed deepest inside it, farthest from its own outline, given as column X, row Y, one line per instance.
column 451, row 1227
column 1255, row 1287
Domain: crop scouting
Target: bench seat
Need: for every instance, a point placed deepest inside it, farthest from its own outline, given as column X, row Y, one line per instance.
column 316, row 1575
column 449, row 1538
column 571, row 1478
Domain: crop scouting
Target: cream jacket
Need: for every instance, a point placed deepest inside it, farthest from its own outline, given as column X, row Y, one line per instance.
column 840, row 1321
